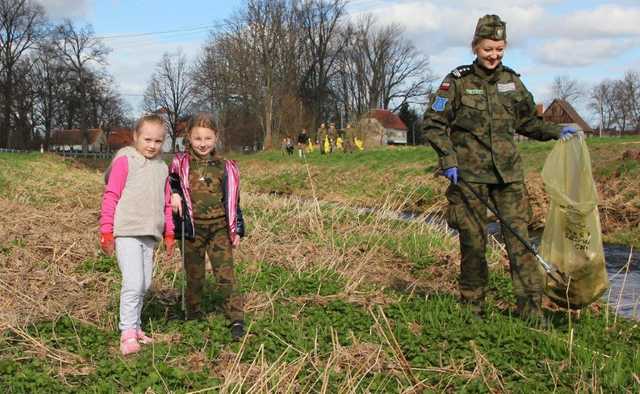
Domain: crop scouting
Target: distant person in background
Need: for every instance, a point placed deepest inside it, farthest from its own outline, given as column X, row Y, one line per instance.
column 135, row 215
column 206, row 198
column 347, row 139
column 333, row 136
column 303, row 141
column 321, row 136
column 283, row 146
column 289, row 146
column 471, row 123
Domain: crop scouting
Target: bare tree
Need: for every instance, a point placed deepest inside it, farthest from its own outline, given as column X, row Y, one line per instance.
column 320, row 21
column 601, row 103
column 285, row 64
column 379, row 68
column 630, row 85
column 23, row 106
column 108, row 110
column 50, row 77
column 21, row 24
column 80, row 50
column 170, row 90
column 566, row 88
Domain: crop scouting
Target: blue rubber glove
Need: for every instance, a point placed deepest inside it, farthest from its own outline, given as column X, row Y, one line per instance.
column 568, row 132
column 452, row 174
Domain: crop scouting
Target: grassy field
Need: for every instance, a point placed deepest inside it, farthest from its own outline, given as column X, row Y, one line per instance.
column 337, row 299
column 408, row 178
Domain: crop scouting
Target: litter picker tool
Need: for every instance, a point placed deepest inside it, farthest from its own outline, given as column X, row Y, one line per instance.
column 560, row 277
column 182, row 286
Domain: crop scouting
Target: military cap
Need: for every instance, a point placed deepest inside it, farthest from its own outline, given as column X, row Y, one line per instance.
column 491, row 27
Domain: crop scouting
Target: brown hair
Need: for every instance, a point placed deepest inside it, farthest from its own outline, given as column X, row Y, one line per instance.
column 202, row 119
column 150, row 118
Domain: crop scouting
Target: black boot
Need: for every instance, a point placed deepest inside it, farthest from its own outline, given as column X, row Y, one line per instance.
column 193, row 314
column 474, row 300
column 529, row 308
column 237, row 330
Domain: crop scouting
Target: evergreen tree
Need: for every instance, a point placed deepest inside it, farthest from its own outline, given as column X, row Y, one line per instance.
column 410, row 118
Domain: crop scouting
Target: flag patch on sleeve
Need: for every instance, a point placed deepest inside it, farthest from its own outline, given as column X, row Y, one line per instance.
column 445, row 86
column 439, row 103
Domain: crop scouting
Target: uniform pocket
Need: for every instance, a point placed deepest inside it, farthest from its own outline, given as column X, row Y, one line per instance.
column 472, row 113
column 453, row 213
column 453, row 216
column 475, row 102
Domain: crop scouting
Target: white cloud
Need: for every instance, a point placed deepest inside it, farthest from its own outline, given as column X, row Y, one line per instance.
column 570, row 53
column 604, row 21
column 57, row 9
column 576, row 38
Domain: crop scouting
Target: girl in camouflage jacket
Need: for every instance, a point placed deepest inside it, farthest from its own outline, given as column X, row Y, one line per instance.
column 206, row 204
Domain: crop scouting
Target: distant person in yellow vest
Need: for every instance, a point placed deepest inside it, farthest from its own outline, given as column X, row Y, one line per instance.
column 321, row 136
column 358, row 141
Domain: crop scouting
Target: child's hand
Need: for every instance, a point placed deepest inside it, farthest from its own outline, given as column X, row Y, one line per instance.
column 107, row 244
column 235, row 240
column 169, row 244
column 176, row 203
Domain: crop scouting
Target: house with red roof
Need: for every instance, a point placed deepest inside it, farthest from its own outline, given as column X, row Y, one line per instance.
column 119, row 138
column 381, row 127
column 70, row 140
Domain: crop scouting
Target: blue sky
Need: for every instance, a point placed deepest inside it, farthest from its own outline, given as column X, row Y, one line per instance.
column 589, row 40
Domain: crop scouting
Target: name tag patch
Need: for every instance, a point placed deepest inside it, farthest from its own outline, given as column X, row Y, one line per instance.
column 439, row 103
column 474, row 91
column 506, row 87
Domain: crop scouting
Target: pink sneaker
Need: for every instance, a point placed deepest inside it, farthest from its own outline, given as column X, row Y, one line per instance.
column 143, row 338
column 129, row 342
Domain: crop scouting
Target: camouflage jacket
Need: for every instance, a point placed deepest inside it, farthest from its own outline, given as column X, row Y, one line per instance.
column 218, row 194
column 472, row 120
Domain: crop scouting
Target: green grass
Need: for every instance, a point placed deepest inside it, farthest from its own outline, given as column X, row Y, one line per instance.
column 323, row 310
column 444, row 345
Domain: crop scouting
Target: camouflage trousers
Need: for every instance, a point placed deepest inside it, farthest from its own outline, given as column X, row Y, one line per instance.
column 211, row 240
column 469, row 216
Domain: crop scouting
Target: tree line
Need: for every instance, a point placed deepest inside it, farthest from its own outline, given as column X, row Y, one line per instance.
column 52, row 75
column 272, row 68
column 614, row 103
column 279, row 65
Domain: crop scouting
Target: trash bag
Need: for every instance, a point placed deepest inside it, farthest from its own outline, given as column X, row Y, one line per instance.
column 572, row 238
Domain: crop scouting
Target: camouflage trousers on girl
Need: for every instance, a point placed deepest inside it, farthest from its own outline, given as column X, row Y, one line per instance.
column 211, row 240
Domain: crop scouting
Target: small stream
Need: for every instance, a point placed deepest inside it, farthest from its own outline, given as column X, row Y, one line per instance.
column 623, row 265
column 624, row 279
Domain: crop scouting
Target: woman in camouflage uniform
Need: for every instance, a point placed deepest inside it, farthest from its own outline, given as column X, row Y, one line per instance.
column 471, row 123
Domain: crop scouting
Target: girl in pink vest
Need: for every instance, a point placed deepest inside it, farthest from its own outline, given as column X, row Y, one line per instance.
column 205, row 197
column 136, row 214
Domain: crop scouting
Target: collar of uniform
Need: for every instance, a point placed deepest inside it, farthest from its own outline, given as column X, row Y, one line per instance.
column 488, row 75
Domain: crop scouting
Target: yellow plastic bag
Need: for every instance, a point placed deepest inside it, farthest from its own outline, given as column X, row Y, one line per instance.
column 572, row 238
column 327, row 145
column 359, row 143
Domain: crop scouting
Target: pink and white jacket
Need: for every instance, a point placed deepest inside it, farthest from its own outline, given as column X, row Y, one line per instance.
column 179, row 182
